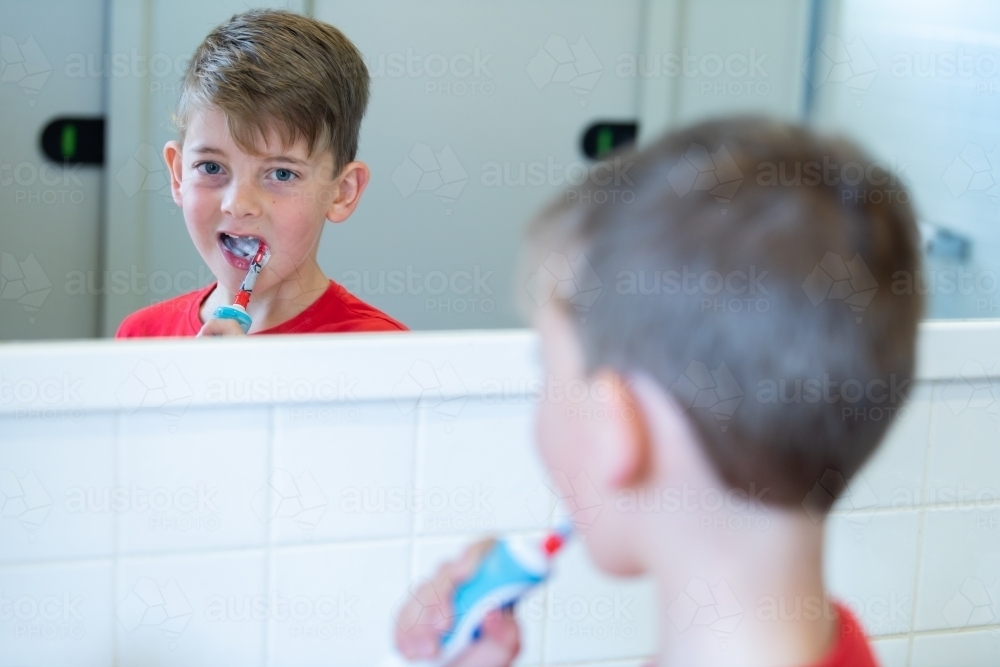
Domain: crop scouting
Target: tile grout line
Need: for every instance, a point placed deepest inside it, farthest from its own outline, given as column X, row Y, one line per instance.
column 416, row 471
column 546, row 589
column 268, row 550
column 116, row 537
column 920, row 522
column 419, row 451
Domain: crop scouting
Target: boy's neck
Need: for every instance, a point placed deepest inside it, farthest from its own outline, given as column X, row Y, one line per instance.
column 278, row 304
column 767, row 585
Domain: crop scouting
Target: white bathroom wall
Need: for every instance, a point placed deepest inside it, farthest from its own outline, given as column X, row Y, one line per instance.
column 269, row 501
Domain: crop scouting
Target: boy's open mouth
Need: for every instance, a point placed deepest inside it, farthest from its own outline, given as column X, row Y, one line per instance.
column 239, row 250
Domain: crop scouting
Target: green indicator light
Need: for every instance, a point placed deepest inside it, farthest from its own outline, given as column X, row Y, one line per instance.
column 68, row 143
column 605, row 140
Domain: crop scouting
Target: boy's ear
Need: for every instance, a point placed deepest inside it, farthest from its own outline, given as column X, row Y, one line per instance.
column 175, row 164
column 347, row 191
column 624, row 442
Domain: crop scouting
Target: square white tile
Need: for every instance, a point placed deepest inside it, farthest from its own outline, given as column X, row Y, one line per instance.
column 192, row 609
column 590, row 616
column 51, row 473
column 479, row 469
column 964, row 463
column 979, row 648
column 341, row 472
column 870, row 562
column 62, row 613
column 892, row 652
column 189, row 483
column 340, row 603
column 959, row 585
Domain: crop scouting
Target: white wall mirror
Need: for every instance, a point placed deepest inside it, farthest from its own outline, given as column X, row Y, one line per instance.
column 477, row 116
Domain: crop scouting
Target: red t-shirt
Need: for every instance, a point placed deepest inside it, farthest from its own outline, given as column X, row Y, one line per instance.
column 851, row 648
column 336, row 310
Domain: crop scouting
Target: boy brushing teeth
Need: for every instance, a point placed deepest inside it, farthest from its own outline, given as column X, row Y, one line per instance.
column 268, row 122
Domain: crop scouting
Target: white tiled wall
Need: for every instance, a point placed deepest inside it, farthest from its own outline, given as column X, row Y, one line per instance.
column 269, row 502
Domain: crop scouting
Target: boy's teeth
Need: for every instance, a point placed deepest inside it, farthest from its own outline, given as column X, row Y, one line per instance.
column 241, row 246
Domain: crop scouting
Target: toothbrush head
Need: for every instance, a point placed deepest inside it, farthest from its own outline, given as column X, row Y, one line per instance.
column 557, row 538
column 256, row 264
column 262, row 255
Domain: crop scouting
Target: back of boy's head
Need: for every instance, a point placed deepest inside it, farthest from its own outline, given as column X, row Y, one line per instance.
column 748, row 266
column 275, row 70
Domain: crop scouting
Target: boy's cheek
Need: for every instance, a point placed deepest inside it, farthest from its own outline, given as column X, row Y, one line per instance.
column 560, row 445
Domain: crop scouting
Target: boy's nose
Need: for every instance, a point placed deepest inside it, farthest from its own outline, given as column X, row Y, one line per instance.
column 242, row 200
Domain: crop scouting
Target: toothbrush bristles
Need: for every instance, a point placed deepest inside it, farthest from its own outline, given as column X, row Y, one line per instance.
column 256, row 264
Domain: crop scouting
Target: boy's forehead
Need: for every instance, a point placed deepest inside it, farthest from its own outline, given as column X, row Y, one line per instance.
column 208, row 133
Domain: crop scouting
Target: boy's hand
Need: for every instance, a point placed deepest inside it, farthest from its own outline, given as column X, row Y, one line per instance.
column 428, row 614
column 221, row 327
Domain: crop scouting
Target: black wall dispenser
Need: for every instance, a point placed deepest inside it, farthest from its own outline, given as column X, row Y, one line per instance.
column 74, row 141
column 604, row 137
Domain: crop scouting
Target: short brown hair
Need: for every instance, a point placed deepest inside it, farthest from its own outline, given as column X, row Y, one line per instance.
column 803, row 236
column 274, row 69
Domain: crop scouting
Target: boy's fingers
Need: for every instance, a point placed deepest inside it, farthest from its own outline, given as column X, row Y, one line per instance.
column 429, row 613
column 451, row 575
column 498, row 645
column 417, row 627
column 467, row 563
column 221, row 327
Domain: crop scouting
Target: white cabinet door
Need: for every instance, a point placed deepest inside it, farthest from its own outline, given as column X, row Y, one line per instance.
column 476, row 117
column 50, row 66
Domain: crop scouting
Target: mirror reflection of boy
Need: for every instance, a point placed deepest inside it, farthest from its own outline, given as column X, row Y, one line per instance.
column 268, row 122
column 743, row 359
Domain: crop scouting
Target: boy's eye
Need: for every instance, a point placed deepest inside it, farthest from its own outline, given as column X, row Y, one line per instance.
column 283, row 175
column 210, row 168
